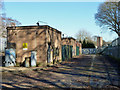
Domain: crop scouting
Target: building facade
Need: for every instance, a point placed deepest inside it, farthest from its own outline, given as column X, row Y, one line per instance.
column 44, row 40
column 72, row 42
column 78, row 48
column 99, row 42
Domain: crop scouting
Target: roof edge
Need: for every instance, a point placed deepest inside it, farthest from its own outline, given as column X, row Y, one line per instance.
column 30, row 27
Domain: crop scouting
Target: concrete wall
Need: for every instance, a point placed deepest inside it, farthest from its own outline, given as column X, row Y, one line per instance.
column 113, row 49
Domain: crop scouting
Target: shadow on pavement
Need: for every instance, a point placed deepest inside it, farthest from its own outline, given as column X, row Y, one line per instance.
column 74, row 67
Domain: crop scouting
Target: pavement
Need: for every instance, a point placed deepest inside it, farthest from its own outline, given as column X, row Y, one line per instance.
column 82, row 72
column 18, row 69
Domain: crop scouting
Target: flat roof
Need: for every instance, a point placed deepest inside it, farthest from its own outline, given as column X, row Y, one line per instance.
column 68, row 38
column 32, row 27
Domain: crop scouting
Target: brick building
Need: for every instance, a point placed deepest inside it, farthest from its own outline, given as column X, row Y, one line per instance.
column 45, row 40
column 78, row 48
column 70, row 41
column 99, row 42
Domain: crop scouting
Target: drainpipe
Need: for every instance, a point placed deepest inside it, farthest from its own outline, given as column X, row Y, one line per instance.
column 46, row 43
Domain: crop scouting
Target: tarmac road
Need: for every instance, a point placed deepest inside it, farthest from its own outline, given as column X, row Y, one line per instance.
column 86, row 71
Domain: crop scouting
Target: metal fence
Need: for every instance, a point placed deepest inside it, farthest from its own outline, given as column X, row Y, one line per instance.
column 3, row 44
column 113, row 49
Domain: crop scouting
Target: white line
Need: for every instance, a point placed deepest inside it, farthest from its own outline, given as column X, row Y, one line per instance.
column 92, row 83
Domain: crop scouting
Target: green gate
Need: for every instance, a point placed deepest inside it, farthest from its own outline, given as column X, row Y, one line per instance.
column 63, row 52
column 71, row 49
column 77, row 50
column 66, row 52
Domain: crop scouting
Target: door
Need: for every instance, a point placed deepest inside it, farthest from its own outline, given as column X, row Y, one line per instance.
column 71, row 50
column 48, row 54
column 77, row 50
column 63, row 52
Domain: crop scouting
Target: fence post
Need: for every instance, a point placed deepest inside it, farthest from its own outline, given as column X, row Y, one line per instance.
column 118, row 47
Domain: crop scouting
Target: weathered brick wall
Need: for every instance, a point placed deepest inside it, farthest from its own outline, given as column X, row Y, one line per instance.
column 99, row 42
column 57, row 44
column 73, row 43
column 35, row 38
column 80, row 47
column 65, row 41
column 54, row 37
column 70, row 41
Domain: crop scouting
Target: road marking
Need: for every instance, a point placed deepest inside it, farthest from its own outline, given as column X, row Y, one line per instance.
column 95, row 83
column 91, row 67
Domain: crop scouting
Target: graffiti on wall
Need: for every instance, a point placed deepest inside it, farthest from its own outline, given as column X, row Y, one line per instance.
column 89, row 51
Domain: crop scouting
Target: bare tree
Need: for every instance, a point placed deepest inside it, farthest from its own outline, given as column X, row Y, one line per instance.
column 5, row 21
column 83, row 34
column 108, row 15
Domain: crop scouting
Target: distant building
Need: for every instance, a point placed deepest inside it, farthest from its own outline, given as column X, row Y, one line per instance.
column 45, row 40
column 75, row 45
column 78, row 48
column 99, row 42
column 71, row 42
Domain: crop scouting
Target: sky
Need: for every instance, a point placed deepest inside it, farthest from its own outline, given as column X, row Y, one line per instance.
column 67, row 17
